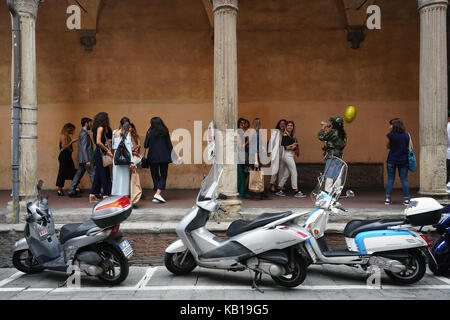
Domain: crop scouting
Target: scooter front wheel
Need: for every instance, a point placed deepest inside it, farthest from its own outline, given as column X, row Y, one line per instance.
column 180, row 263
column 440, row 269
column 416, row 267
column 25, row 261
column 296, row 273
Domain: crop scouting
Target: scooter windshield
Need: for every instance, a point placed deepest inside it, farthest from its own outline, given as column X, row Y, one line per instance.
column 332, row 181
column 210, row 184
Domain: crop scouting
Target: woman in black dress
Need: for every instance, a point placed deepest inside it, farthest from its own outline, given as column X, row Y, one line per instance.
column 66, row 166
column 102, row 179
column 159, row 155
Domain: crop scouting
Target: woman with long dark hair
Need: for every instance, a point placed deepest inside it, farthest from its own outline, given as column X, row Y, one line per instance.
column 102, row 178
column 157, row 140
column 287, row 165
column 121, row 173
column 66, row 166
column 398, row 144
column 335, row 138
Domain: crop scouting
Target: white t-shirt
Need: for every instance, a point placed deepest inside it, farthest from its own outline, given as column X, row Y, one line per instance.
column 448, row 140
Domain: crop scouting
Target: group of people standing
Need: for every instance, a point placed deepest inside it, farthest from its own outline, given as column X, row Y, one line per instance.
column 96, row 155
column 282, row 149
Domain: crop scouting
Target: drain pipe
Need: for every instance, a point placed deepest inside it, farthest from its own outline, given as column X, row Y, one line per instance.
column 16, row 106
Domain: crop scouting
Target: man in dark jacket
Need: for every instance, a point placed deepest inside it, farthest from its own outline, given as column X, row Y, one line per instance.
column 84, row 157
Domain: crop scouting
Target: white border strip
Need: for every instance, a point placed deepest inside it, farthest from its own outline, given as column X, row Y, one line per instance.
column 221, row 288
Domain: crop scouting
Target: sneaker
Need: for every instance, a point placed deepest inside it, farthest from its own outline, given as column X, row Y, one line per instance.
column 280, row 193
column 387, row 201
column 300, row 195
column 159, row 198
column 406, row 202
column 155, row 201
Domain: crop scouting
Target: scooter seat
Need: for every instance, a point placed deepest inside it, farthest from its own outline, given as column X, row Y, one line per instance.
column 357, row 226
column 240, row 226
column 73, row 230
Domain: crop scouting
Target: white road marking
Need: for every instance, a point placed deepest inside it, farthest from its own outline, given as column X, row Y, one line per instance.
column 443, row 279
column 15, row 276
column 146, row 278
column 221, row 288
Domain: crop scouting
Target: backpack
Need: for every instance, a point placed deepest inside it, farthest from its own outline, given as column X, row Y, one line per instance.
column 122, row 156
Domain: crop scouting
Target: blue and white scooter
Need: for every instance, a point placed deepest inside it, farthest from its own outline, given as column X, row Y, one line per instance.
column 392, row 245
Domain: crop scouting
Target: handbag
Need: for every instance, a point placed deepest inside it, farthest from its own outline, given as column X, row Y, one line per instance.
column 297, row 150
column 256, row 181
column 122, row 156
column 411, row 157
column 107, row 160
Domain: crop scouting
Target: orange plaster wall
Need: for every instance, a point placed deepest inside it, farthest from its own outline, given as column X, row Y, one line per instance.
column 155, row 58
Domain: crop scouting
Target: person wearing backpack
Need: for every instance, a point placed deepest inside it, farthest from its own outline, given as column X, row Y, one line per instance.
column 123, row 160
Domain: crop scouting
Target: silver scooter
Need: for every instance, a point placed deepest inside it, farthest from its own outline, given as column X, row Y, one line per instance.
column 94, row 247
column 271, row 244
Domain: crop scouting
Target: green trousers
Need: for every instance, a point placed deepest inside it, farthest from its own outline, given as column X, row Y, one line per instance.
column 240, row 180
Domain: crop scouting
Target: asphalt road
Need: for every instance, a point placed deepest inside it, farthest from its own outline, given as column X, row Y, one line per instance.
column 156, row 283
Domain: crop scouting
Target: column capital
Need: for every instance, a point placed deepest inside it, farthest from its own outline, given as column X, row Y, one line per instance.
column 225, row 4
column 27, row 7
column 427, row 3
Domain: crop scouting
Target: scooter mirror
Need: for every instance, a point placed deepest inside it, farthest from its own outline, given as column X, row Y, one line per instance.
column 350, row 194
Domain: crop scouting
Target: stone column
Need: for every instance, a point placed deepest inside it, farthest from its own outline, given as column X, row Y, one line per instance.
column 226, row 95
column 433, row 96
column 27, row 10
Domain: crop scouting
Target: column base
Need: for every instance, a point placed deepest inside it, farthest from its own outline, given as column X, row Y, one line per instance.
column 10, row 218
column 233, row 206
column 438, row 194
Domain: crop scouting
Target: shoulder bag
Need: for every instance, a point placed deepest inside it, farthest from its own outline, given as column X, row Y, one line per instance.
column 411, row 156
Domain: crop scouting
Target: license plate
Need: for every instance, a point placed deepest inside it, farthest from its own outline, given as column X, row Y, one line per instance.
column 126, row 248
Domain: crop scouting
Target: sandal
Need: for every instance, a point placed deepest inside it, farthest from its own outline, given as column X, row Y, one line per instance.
column 93, row 198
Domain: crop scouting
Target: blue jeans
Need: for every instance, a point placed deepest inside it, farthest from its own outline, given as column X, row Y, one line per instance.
column 403, row 173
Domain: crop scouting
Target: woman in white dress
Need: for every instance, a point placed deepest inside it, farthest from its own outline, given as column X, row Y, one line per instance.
column 121, row 173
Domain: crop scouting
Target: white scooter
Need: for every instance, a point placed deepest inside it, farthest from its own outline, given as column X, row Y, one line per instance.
column 272, row 243
column 392, row 245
